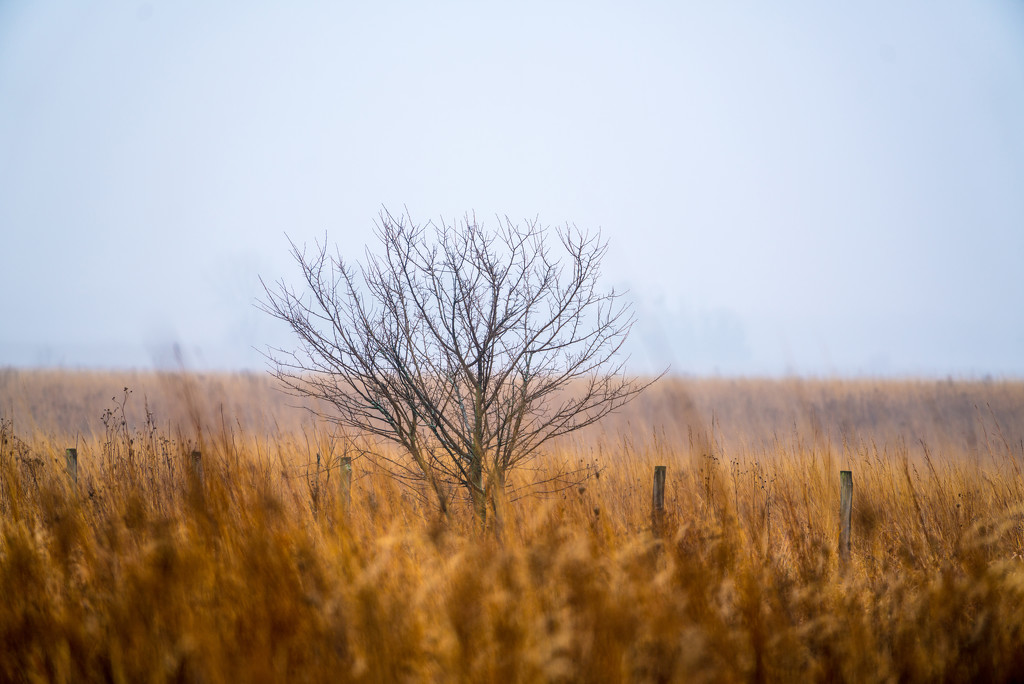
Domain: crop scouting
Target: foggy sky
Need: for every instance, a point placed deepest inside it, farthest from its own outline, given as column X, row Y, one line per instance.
column 790, row 188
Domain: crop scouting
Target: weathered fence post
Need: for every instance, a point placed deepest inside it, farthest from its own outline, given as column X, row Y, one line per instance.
column 658, row 500
column 197, row 465
column 845, row 514
column 71, row 463
column 345, row 481
column 314, row 489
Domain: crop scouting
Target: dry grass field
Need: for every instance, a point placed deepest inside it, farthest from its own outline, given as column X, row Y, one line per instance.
column 261, row 570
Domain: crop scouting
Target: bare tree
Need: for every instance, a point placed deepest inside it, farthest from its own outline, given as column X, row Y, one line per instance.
column 467, row 347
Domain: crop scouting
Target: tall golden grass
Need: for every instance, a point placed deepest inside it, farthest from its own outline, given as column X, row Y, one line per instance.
column 261, row 570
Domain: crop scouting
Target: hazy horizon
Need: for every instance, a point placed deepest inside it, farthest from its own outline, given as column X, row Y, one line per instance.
column 790, row 189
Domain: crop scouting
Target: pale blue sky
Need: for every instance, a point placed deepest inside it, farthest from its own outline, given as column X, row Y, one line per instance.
column 818, row 188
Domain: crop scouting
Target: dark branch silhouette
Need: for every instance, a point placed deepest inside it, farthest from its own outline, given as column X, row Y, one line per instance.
column 468, row 348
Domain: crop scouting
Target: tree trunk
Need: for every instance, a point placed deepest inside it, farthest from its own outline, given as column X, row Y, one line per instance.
column 498, row 501
column 476, row 489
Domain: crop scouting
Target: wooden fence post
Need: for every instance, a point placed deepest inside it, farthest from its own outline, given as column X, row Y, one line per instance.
column 197, row 465
column 845, row 514
column 345, row 481
column 658, row 500
column 71, row 463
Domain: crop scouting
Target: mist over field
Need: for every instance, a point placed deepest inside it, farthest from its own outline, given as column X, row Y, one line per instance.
column 809, row 468
column 787, row 189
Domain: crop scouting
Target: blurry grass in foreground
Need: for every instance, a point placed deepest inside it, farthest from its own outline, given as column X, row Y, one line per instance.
column 260, row 572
